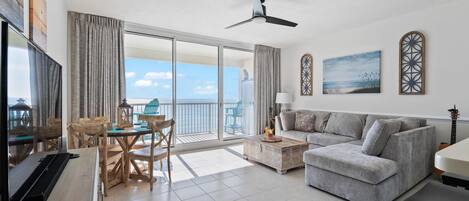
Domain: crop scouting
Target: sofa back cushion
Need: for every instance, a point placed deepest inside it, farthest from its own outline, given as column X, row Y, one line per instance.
column 346, row 124
column 378, row 135
column 370, row 120
column 304, row 122
column 408, row 123
column 287, row 120
column 320, row 119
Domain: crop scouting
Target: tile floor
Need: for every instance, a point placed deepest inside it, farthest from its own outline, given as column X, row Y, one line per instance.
column 222, row 175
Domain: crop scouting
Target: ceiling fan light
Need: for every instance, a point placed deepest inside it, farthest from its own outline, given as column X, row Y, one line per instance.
column 259, row 20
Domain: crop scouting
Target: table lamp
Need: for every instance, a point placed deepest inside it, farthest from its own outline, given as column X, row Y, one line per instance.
column 283, row 99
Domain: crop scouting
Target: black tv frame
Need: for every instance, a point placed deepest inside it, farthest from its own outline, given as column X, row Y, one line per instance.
column 4, row 150
column 4, row 185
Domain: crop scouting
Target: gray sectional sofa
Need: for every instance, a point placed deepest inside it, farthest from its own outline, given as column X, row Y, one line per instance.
column 335, row 162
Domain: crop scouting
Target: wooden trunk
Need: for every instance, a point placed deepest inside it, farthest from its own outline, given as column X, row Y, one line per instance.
column 282, row 156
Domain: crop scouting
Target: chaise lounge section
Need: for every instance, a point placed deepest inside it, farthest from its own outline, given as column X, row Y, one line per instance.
column 336, row 163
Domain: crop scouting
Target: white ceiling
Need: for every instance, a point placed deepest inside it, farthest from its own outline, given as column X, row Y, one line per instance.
column 209, row 17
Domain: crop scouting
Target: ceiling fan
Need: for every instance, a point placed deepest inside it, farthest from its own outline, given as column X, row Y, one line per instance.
column 259, row 15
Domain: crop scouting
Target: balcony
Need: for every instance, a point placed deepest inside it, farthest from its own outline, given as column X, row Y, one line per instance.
column 197, row 122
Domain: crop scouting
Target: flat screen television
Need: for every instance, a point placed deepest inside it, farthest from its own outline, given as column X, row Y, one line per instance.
column 30, row 108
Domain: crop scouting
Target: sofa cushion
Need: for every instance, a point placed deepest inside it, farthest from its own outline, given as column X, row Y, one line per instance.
column 326, row 139
column 320, row 119
column 370, row 119
column 346, row 124
column 296, row 135
column 288, row 120
column 347, row 159
column 356, row 142
column 409, row 123
column 304, row 122
column 378, row 135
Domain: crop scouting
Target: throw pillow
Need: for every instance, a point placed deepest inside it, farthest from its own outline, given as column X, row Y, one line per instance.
column 287, row 120
column 378, row 136
column 304, row 122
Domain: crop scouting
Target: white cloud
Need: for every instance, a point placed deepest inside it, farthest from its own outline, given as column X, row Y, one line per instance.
column 130, row 74
column 205, row 90
column 143, row 83
column 167, row 86
column 159, row 75
column 155, row 84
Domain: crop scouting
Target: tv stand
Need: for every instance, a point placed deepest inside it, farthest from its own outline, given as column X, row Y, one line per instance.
column 80, row 173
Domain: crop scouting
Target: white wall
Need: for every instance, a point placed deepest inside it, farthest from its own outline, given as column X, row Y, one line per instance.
column 447, row 35
column 57, row 46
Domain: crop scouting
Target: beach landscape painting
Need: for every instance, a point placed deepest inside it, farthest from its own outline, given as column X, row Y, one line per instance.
column 354, row 74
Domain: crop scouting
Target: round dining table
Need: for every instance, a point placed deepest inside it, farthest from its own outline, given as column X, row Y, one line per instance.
column 127, row 138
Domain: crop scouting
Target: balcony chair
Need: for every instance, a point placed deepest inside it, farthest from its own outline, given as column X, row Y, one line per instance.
column 159, row 149
column 89, row 133
column 152, row 107
column 232, row 118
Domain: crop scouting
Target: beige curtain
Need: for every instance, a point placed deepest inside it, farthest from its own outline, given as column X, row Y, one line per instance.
column 97, row 65
column 46, row 80
column 266, row 83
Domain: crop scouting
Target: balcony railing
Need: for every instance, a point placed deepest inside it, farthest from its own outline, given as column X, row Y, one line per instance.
column 191, row 118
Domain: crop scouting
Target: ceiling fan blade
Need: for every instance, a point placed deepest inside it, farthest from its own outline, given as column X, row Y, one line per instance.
column 274, row 20
column 257, row 8
column 239, row 23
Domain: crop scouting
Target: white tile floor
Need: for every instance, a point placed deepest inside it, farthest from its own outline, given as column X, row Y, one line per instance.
column 222, row 175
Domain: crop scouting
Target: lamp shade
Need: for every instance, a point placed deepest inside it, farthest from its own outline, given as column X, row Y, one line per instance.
column 283, row 98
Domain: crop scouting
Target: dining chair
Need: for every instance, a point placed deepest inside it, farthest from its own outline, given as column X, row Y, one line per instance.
column 49, row 136
column 94, row 134
column 150, row 119
column 156, row 152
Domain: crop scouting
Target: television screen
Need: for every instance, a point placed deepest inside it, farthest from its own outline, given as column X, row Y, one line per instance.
column 34, row 108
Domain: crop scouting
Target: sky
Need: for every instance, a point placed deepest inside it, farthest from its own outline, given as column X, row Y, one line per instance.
column 18, row 75
column 148, row 79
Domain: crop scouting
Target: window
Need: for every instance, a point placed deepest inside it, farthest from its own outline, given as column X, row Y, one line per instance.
column 148, row 74
column 206, row 90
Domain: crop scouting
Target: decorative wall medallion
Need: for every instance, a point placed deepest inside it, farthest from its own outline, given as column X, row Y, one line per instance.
column 307, row 75
column 412, row 64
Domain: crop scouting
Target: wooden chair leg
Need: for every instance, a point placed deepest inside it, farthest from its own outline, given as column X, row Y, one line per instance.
column 169, row 169
column 104, row 176
column 150, row 169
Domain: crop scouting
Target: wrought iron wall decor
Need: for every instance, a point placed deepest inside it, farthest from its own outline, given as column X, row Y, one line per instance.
column 307, row 75
column 412, row 64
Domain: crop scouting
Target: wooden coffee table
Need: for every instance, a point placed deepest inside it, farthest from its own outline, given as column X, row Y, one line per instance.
column 282, row 156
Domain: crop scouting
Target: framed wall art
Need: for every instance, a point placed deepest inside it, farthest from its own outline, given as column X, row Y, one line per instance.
column 306, row 80
column 13, row 12
column 38, row 22
column 412, row 64
column 353, row 74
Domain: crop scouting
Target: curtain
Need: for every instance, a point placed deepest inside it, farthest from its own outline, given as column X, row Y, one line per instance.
column 266, row 83
column 97, row 65
column 46, row 82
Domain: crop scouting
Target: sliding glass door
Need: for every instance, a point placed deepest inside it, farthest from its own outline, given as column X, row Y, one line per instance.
column 207, row 89
column 238, row 94
column 196, row 92
column 148, row 74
